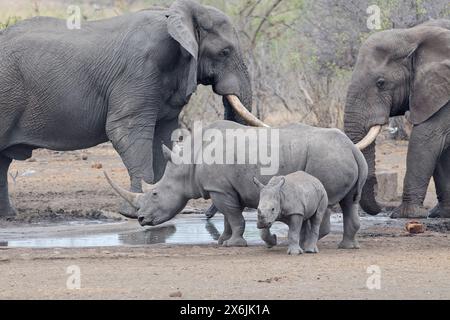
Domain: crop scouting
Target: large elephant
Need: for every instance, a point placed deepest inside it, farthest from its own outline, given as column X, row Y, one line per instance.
column 398, row 71
column 123, row 79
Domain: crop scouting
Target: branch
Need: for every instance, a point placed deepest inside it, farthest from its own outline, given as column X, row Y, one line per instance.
column 266, row 16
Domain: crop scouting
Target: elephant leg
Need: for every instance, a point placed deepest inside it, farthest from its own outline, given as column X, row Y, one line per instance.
column 425, row 146
column 6, row 210
column 351, row 223
column 442, row 181
column 133, row 140
column 163, row 134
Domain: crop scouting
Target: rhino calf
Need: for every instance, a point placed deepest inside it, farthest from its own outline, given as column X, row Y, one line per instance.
column 294, row 199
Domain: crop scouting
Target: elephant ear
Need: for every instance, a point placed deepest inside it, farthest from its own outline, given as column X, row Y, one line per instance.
column 430, row 89
column 181, row 27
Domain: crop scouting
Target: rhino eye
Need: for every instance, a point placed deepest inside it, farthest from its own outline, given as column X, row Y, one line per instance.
column 154, row 193
column 273, row 209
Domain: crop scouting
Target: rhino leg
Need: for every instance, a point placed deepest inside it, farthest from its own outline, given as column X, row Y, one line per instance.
column 211, row 212
column 226, row 235
column 325, row 226
column 228, row 203
column 237, row 224
column 311, row 238
column 295, row 226
column 269, row 238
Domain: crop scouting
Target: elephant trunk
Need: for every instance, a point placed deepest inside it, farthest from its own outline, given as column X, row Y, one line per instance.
column 354, row 128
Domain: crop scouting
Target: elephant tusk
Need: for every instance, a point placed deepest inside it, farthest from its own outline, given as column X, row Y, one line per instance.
column 131, row 197
column 244, row 113
column 369, row 138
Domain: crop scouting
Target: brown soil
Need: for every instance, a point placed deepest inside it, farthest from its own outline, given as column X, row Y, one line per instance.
column 54, row 187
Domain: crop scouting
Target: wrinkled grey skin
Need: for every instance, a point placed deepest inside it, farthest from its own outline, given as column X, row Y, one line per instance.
column 124, row 79
column 326, row 154
column 398, row 71
column 296, row 199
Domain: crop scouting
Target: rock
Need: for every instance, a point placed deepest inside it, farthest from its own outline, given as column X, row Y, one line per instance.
column 84, row 157
column 176, row 294
column 415, row 227
column 387, row 186
column 97, row 166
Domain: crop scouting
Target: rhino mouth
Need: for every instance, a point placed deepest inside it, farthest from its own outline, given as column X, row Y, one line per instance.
column 144, row 222
column 263, row 225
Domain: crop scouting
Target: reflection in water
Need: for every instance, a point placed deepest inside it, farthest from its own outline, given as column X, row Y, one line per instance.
column 192, row 229
column 149, row 236
column 212, row 230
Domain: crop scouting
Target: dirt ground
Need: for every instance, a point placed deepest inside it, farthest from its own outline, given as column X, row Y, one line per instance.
column 55, row 186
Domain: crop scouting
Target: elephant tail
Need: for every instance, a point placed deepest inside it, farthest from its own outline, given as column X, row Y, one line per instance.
column 363, row 171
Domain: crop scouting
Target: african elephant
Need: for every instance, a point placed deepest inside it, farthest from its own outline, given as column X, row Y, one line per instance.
column 123, row 80
column 398, row 71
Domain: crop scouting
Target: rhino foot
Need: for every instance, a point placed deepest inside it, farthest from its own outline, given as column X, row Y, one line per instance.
column 235, row 242
column 313, row 249
column 349, row 244
column 294, row 250
column 224, row 237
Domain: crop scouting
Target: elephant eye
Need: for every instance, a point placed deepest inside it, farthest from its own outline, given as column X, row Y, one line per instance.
column 225, row 52
column 380, row 83
column 154, row 193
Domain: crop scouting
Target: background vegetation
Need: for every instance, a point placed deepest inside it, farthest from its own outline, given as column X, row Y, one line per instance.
column 300, row 52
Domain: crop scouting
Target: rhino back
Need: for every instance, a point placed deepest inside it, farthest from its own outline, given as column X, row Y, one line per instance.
column 302, row 193
column 323, row 153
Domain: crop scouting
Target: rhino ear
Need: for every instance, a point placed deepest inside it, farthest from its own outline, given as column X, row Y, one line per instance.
column 281, row 183
column 430, row 86
column 258, row 183
column 181, row 26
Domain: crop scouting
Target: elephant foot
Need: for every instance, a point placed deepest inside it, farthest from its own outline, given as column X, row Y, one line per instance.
column 128, row 211
column 7, row 212
column 439, row 212
column 408, row 211
column 312, row 249
column 294, row 250
column 349, row 244
column 235, row 242
column 211, row 212
column 224, row 237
